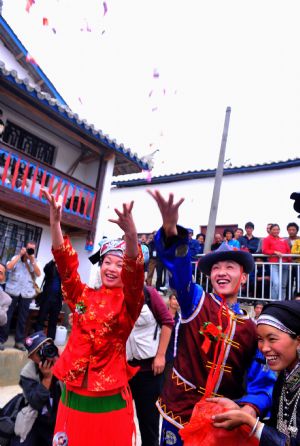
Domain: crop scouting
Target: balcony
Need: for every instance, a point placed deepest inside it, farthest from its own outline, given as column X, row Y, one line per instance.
column 269, row 281
column 21, row 180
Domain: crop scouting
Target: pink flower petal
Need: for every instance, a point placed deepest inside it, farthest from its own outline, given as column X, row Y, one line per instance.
column 29, row 4
column 104, row 8
column 30, row 59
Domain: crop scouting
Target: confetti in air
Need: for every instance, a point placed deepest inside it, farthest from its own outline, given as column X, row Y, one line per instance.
column 45, row 21
column 104, row 8
column 54, row 30
column 155, row 73
column 30, row 59
column 150, row 94
column 148, row 175
column 29, row 4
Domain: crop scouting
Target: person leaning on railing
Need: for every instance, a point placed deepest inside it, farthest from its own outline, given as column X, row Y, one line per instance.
column 275, row 246
column 296, row 250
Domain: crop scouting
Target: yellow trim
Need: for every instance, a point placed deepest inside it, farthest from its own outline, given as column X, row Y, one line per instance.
column 202, row 390
column 225, row 368
column 169, row 414
column 176, row 378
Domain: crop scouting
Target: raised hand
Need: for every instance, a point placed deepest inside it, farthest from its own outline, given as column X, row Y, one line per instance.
column 168, row 210
column 55, row 206
column 55, row 218
column 125, row 220
column 126, row 223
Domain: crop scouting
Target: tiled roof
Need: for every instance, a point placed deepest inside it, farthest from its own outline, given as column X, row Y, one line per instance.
column 47, row 95
column 65, row 113
column 15, row 46
column 208, row 173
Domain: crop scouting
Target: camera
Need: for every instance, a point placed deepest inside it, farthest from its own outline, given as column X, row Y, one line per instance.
column 48, row 351
column 30, row 251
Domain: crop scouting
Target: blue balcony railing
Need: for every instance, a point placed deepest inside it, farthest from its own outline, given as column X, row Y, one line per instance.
column 23, row 175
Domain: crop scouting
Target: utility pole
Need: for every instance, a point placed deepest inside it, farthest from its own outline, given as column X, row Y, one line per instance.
column 217, row 186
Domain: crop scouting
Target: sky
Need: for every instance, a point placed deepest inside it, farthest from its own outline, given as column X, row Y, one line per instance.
column 157, row 75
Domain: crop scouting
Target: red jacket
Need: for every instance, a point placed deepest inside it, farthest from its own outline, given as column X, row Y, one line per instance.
column 102, row 322
column 271, row 244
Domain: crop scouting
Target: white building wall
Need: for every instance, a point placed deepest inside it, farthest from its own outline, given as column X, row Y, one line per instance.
column 65, row 154
column 261, row 197
column 103, row 216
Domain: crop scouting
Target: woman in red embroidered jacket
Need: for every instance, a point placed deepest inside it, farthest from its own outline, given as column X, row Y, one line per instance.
column 96, row 404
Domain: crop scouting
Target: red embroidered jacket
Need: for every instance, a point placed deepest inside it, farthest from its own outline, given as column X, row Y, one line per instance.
column 102, row 322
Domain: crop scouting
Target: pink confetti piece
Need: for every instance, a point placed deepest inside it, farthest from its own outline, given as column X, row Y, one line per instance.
column 148, row 175
column 104, row 8
column 164, row 91
column 45, row 21
column 29, row 4
column 30, row 59
column 86, row 28
column 79, row 99
column 154, row 109
column 155, row 73
column 150, row 94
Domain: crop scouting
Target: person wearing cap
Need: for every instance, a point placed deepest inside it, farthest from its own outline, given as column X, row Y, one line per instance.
column 96, row 397
column 217, row 342
column 41, row 390
column 278, row 329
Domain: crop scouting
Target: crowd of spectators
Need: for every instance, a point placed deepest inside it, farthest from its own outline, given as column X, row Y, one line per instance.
column 37, row 380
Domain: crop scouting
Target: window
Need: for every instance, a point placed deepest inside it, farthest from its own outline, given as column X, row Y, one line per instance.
column 28, row 143
column 14, row 235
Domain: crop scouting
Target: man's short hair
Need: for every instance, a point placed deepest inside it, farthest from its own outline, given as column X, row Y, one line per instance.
column 293, row 224
column 249, row 224
column 259, row 303
column 31, row 242
column 228, row 230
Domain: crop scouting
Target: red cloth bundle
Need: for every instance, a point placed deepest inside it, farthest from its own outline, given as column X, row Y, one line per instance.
column 200, row 430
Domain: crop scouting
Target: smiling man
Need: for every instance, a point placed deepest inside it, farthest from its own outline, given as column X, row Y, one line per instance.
column 217, row 342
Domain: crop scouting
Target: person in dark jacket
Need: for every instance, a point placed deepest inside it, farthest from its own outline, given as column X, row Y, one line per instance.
column 50, row 300
column 41, row 389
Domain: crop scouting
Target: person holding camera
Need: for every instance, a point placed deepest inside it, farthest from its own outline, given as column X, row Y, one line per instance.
column 23, row 269
column 42, row 392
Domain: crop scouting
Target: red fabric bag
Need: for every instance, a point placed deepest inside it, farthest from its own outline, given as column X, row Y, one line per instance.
column 200, row 430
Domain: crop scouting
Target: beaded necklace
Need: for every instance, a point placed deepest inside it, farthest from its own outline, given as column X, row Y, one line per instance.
column 288, row 403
